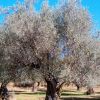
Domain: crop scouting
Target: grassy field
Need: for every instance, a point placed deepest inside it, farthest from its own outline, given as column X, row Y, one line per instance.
column 68, row 95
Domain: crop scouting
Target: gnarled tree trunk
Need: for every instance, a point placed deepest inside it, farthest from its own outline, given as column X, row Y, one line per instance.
column 35, row 86
column 51, row 93
column 4, row 92
column 59, row 89
column 78, row 87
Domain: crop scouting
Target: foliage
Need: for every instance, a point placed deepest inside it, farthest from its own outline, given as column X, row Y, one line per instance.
column 31, row 44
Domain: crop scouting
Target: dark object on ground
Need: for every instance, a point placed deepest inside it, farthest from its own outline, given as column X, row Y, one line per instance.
column 90, row 91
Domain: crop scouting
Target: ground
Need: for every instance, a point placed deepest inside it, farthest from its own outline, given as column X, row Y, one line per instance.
column 65, row 96
column 69, row 93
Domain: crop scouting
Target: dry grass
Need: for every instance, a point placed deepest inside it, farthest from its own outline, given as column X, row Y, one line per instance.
column 28, row 97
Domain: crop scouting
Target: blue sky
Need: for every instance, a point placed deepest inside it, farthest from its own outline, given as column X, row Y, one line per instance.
column 92, row 5
column 94, row 8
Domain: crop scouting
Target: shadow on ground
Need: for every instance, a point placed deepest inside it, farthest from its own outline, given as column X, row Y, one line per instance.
column 29, row 93
column 77, row 98
column 72, row 94
column 65, row 95
column 69, row 91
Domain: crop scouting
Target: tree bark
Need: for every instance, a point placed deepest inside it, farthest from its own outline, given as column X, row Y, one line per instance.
column 59, row 89
column 38, row 84
column 90, row 91
column 4, row 92
column 35, row 87
column 78, row 87
column 51, row 93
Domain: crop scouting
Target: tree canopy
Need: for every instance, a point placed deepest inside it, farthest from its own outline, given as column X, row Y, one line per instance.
column 33, row 42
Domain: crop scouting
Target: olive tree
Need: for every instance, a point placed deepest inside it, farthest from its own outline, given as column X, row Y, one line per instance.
column 35, row 42
column 29, row 37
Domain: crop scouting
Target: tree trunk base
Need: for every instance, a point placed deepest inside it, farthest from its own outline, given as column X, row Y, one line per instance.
column 35, row 87
column 4, row 92
column 51, row 93
column 51, row 98
column 90, row 91
column 78, row 88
